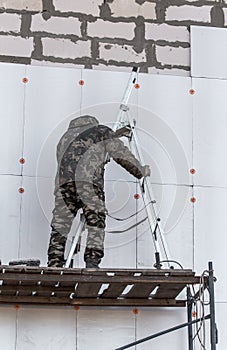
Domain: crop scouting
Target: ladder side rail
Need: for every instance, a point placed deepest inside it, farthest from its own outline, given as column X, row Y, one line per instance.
column 125, row 99
column 151, row 213
column 147, row 200
column 128, row 90
column 120, row 119
column 75, row 240
column 148, row 194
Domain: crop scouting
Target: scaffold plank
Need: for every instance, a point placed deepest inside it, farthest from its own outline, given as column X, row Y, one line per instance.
column 99, row 287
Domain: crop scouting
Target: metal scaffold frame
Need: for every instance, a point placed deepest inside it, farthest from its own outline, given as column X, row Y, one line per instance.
column 189, row 324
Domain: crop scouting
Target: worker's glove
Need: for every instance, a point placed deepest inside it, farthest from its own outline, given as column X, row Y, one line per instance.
column 146, row 171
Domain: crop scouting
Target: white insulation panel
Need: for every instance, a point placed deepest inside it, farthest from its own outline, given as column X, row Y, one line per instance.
column 120, row 246
column 105, row 329
column 108, row 87
column 8, row 320
column 210, row 125
column 10, row 217
column 49, row 329
column 208, row 54
column 52, row 99
column 177, row 131
column 221, row 312
column 210, row 231
column 12, row 114
column 165, row 126
column 35, row 218
column 151, row 321
column 176, row 213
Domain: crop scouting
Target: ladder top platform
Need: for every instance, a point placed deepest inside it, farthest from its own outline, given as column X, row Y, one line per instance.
column 94, row 287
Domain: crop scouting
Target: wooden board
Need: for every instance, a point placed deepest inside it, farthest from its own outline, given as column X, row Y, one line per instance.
column 168, row 291
column 141, row 291
column 114, row 290
column 87, row 290
column 35, row 285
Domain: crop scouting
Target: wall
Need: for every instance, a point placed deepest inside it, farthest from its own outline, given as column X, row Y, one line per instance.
column 32, row 125
column 99, row 34
column 186, row 132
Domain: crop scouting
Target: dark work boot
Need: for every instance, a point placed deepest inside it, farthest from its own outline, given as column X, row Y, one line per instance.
column 92, row 257
column 91, row 264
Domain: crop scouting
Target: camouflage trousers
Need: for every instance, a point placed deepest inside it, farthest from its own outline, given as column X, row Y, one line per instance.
column 69, row 198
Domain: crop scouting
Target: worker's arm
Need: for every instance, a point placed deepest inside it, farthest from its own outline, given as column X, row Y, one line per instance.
column 123, row 156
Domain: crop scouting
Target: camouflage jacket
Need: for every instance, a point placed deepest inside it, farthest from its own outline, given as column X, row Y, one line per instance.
column 82, row 154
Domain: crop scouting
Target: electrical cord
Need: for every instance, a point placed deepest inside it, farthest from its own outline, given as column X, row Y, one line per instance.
column 199, row 305
column 154, row 234
column 172, row 261
column 132, row 215
column 128, row 228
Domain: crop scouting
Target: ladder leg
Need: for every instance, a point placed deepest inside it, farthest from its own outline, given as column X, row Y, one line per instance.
column 75, row 240
column 148, row 197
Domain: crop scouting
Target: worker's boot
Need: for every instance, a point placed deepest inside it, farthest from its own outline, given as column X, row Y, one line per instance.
column 92, row 257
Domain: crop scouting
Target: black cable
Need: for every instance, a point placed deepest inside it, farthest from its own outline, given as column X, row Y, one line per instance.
column 130, row 216
column 172, row 261
column 202, row 316
column 129, row 228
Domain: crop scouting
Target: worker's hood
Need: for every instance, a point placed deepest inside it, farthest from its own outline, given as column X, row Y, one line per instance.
column 83, row 123
column 76, row 127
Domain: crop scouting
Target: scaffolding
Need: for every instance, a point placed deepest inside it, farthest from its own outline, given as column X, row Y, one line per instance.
column 110, row 287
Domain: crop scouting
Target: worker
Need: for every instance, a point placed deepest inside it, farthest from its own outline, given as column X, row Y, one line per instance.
column 82, row 153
